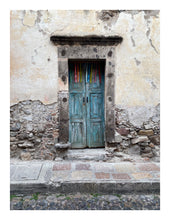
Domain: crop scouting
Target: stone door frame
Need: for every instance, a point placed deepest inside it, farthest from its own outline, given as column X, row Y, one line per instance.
column 84, row 48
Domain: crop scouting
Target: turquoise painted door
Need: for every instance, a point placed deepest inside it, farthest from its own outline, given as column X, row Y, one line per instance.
column 86, row 104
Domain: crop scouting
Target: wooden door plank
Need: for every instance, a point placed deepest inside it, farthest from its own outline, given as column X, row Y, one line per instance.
column 77, row 111
column 95, row 111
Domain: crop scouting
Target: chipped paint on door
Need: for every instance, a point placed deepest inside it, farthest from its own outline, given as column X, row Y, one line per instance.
column 86, row 103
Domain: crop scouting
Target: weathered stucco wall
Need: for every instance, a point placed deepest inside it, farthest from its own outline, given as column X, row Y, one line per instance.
column 34, row 68
column 37, row 76
column 34, row 65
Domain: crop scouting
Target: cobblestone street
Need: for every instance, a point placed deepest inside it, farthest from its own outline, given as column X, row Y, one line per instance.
column 84, row 202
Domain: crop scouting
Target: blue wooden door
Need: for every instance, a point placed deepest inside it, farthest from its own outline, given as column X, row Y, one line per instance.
column 86, row 104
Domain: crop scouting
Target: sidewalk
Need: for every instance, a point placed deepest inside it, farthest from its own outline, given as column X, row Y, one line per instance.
column 84, row 177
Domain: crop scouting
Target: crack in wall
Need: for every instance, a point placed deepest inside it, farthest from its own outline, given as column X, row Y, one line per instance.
column 33, row 57
column 147, row 18
column 153, row 46
column 133, row 42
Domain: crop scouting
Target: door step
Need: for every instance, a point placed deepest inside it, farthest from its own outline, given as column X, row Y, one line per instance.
column 97, row 154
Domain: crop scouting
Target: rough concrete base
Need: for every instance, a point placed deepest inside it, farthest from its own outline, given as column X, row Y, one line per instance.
column 87, row 187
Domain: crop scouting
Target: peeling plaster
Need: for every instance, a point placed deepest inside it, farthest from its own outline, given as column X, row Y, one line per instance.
column 33, row 54
column 108, row 16
column 29, row 19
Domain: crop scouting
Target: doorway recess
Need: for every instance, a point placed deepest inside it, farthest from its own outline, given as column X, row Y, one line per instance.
column 86, row 49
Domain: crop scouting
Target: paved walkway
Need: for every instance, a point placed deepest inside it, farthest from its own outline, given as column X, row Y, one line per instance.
column 84, row 177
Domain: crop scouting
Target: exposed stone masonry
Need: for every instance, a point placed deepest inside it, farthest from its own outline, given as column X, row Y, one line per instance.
column 40, row 130
column 137, row 132
column 33, row 130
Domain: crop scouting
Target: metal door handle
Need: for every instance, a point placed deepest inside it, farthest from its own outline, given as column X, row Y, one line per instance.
column 83, row 100
column 87, row 99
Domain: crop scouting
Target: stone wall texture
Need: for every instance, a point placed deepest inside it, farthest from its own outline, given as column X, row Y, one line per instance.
column 33, row 130
column 35, row 84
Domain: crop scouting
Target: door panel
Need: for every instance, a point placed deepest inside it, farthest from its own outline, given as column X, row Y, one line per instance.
column 95, row 105
column 77, row 110
column 86, row 105
column 95, row 109
column 78, row 134
column 96, row 138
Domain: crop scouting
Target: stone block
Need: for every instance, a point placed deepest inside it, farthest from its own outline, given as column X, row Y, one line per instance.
column 133, row 134
column 40, row 128
column 22, row 136
column 151, row 145
column 13, row 134
column 62, row 145
column 37, row 141
column 30, row 135
column 148, row 167
column 148, row 126
column 155, row 139
column 29, row 127
column 13, row 147
column 12, row 139
column 123, row 131
column 26, row 144
column 146, row 150
column 25, row 156
column 27, row 172
column 134, row 150
column 106, row 167
column 146, row 132
column 121, row 176
column 81, row 175
column 139, row 139
column 124, row 168
column 143, row 144
column 140, row 176
column 63, row 166
column 16, row 127
column 102, row 175
column 60, row 176
column 86, row 154
column 118, row 138
column 80, row 166
column 28, row 118
column 150, row 155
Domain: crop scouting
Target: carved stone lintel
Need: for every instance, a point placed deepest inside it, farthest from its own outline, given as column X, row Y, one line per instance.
column 87, row 40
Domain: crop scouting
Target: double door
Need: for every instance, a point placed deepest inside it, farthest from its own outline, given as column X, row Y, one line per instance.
column 86, row 104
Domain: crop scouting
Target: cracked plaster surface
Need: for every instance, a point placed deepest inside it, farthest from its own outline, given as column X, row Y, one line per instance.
column 34, row 67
